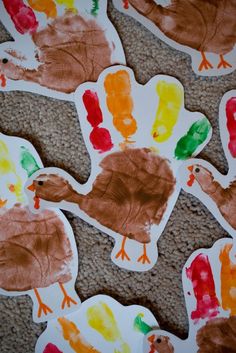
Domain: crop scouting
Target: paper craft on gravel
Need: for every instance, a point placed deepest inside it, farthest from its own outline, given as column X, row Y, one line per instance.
column 58, row 44
column 203, row 29
column 209, row 282
column 200, row 178
column 137, row 137
column 101, row 325
column 38, row 254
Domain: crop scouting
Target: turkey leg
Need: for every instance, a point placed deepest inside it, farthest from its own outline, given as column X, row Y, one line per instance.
column 67, row 300
column 205, row 64
column 223, row 63
column 43, row 308
column 122, row 253
column 144, row 258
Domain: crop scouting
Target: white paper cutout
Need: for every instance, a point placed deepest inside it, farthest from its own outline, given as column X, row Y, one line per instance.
column 219, row 195
column 138, row 118
column 120, row 333
column 62, row 66
column 35, row 250
column 209, row 279
column 191, row 26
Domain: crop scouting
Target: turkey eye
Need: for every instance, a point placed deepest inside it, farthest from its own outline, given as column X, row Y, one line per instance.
column 158, row 340
column 5, row 61
column 197, row 170
column 40, row 182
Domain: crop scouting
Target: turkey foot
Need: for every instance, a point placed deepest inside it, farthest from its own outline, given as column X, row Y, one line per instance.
column 205, row 64
column 42, row 307
column 144, row 258
column 223, row 63
column 67, row 299
column 122, row 253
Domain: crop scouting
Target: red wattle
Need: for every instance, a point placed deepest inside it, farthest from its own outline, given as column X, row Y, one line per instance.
column 191, row 180
column 126, row 4
column 152, row 349
column 36, row 202
column 3, row 80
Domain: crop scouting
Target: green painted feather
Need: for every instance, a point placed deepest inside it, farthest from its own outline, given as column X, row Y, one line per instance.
column 95, row 8
column 140, row 325
column 195, row 136
column 28, row 161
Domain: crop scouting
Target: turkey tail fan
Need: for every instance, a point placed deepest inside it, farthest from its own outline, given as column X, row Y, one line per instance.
column 27, row 15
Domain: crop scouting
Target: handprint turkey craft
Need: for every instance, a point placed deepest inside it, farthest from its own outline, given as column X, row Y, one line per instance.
column 103, row 325
column 38, row 255
column 57, row 45
column 209, row 287
column 203, row 29
column 200, row 178
column 137, row 137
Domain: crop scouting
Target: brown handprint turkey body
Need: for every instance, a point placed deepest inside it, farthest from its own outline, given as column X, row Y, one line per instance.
column 35, row 251
column 217, row 336
column 70, row 50
column 204, row 25
column 128, row 196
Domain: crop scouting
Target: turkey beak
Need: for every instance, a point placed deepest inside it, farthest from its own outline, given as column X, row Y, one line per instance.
column 36, row 198
column 190, row 168
column 191, row 176
column 31, row 188
column 151, row 339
